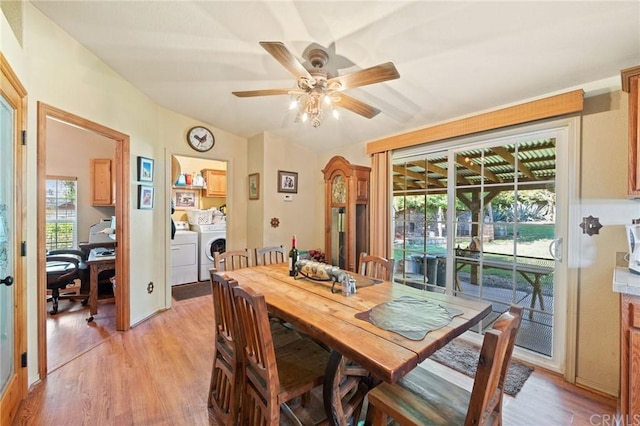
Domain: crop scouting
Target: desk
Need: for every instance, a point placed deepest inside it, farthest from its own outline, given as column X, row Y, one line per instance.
column 330, row 318
column 98, row 239
column 531, row 273
column 97, row 262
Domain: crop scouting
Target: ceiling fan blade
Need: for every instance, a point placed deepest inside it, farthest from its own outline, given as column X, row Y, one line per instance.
column 359, row 107
column 377, row 74
column 279, row 51
column 264, row 92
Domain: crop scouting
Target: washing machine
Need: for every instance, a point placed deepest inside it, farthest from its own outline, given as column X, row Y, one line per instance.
column 211, row 238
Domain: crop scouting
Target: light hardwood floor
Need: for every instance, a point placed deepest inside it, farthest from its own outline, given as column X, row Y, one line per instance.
column 70, row 335
column 158, row 372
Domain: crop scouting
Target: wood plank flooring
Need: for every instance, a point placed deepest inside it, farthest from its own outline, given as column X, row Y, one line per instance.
column 157, row 373
column 70, row 335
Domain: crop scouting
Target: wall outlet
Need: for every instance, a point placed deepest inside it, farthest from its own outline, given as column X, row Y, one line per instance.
column 288, row 197
column 150, row 287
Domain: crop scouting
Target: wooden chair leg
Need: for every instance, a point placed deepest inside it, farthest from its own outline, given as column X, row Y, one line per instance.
column 375, row 417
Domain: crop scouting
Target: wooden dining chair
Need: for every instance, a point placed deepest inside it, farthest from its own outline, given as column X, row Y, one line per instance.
column 375, row 267
column 231, row 260
column 422, row 397
column 269, row 255
column 272, row 377
column 225, row 387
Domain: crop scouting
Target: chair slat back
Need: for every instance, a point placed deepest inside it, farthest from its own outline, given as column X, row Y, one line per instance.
column 223, row 310
column 423, row 397
column 269, row 255
column 493, row 364
column 226, row 374
column 262, row 384
column 376, row 267
column 231, row 260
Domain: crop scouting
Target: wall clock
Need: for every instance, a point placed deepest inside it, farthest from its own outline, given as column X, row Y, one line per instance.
column 200, row 138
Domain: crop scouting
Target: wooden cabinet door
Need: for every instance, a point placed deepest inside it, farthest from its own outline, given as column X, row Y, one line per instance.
column 102, row 183
column 216, row 183
column 631, row 85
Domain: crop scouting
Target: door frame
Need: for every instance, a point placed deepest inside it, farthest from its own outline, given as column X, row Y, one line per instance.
column 14, row 92
column 122, row 208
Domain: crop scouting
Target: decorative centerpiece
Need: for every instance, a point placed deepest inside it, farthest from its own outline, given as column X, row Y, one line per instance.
column 318, row 271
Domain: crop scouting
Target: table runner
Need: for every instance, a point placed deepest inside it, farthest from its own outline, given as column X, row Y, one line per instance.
column 410, row 317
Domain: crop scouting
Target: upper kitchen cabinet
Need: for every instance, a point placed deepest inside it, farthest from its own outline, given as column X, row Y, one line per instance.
column 102, row 182
column 216, row 183
column 630, row 84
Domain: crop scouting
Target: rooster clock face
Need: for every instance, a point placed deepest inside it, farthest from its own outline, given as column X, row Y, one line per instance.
column 200, row 138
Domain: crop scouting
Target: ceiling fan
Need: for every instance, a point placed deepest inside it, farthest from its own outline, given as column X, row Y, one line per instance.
column 316, row 90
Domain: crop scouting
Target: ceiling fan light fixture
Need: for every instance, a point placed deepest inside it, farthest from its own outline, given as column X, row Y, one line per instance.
column 316, row 85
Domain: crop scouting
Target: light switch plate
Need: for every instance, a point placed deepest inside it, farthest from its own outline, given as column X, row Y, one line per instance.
column 288, row 197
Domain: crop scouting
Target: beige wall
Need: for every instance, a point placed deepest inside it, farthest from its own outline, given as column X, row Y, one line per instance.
column 603, row 186
column 298, row 215
column 257, row 222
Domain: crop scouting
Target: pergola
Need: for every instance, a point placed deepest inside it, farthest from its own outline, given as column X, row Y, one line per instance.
column 481, row 174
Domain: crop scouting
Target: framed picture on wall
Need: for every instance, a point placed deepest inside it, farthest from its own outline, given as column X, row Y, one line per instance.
column 254, row 186
column 287, row 182
column 185, row 199
column 145, row 197
column 145, row 169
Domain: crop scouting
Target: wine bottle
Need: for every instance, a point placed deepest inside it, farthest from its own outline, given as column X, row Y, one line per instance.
column 293, row 257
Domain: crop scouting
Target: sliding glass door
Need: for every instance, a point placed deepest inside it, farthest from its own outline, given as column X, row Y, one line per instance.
column 478, row 219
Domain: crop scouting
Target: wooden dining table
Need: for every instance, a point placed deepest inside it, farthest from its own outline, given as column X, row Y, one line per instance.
column 330, row 318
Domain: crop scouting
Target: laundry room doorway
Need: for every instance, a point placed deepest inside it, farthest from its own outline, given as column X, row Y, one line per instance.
column 199, row 204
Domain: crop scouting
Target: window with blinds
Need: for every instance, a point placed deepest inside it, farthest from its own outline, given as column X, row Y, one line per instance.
column 62, row 213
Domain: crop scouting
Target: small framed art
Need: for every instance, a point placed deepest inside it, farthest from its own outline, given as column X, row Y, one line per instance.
column 287, row 182
column 185, row 199
column 254, row 186
column 145, row 169
column 145, row 197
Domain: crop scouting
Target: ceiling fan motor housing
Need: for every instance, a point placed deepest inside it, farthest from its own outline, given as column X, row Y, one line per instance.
column 318, row 58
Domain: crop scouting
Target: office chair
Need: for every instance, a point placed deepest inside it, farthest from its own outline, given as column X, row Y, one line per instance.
column 64, row 266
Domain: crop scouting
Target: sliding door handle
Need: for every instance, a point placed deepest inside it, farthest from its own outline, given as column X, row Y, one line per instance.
column 555, row 249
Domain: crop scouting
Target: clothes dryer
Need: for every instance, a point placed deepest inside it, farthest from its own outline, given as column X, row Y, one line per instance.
column 211, row 238
column 184, row 255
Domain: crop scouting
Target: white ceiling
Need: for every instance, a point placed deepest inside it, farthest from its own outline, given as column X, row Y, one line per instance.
column 454, row 58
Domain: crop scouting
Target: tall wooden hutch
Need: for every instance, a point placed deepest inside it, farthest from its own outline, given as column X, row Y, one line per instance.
column 346, row 216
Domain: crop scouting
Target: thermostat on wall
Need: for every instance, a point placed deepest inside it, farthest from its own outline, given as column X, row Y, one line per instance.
column 288, row 197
